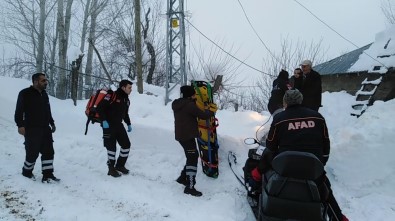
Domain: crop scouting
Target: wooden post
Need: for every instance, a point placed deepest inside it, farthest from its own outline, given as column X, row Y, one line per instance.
column 217, row 83
column 137, row 37
column 75, row 67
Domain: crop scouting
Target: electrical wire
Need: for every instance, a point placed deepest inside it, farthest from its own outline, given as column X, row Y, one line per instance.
column 81, row 73
column 323, row 22
column 226, row 51
column 260, row 39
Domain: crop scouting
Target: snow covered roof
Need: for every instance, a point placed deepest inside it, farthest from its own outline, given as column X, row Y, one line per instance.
column 377, row 57
column 383, row 52
column 340, row 64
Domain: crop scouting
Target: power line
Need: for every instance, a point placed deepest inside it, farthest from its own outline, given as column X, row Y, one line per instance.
column 81, row 73
column 256, row 33
column 323, row 22
column 226, row 51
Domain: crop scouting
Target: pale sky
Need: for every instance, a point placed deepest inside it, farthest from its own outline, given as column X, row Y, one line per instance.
column 356, row 20
column 224, row 20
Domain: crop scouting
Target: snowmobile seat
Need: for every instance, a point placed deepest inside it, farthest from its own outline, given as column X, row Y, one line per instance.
column 291, row 193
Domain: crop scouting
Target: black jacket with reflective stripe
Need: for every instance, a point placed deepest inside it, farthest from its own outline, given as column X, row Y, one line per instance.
column 33, row 109
column 115, row 110
column 299, row 129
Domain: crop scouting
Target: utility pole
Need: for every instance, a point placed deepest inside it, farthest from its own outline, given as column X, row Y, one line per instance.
column 175, row 46
column 137, row 37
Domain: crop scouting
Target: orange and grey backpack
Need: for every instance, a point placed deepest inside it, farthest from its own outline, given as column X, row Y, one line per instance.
column 91, row 110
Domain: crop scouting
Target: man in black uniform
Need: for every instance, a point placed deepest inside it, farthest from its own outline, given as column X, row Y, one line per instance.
column 186, row 131
column 113, row 110
column 34, row 120
column 298, row 129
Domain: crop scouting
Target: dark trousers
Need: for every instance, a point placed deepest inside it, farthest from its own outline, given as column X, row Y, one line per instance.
column 38, row 140
column 116, row 133
column 192, row 156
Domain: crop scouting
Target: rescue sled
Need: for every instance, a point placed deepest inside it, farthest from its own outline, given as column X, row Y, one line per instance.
column 207, row 140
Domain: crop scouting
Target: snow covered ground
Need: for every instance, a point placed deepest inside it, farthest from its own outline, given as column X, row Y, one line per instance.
column 361, row 166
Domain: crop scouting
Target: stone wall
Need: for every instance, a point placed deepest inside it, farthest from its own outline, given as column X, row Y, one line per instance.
column 351, row 82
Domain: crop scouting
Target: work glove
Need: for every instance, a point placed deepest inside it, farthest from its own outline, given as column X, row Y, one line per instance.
column 254, row 182
column 53, row 128
column 256, row 175
column 212, row 107
column 129, row 128
column 105, row 125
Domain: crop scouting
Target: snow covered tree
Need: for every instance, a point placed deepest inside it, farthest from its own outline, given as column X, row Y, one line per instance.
column 388, row 8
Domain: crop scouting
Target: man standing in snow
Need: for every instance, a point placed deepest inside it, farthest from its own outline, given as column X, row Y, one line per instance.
column 298, row 129
column 294, row 80
column 311, row 86
column 280, row 85
column 186, row 131
column 34, row 120
column 113, row 110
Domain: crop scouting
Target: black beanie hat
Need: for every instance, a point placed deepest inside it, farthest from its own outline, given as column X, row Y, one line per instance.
column 187, row 91
column 283, row 74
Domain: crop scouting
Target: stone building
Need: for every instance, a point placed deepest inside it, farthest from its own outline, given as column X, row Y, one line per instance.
column 367, row 72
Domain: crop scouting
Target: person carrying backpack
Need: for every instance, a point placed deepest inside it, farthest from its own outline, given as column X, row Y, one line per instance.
column 113, row 109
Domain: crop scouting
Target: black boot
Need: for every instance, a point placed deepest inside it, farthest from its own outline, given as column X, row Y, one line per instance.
column 190, row 188
column 182, row 179
column 192, row 191
column 29, row 175
column 113, row 172
column 122, row 169
column 49, row 178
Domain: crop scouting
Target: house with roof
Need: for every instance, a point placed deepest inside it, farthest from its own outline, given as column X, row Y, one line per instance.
column 367, row 72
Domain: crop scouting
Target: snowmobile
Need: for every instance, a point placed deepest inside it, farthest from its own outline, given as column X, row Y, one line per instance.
column 288, row 192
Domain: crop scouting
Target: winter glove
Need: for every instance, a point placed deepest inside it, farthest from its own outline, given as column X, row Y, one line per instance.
column 212, row 107
column 105, row 125
column 53, row 128
column 129, row 128
column 254, row 182
column 256, row 175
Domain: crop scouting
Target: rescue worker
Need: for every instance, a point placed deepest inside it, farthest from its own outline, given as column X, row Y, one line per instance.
column 113, row 110
column 298, row 128
column 34, row 120
column 186, row 131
